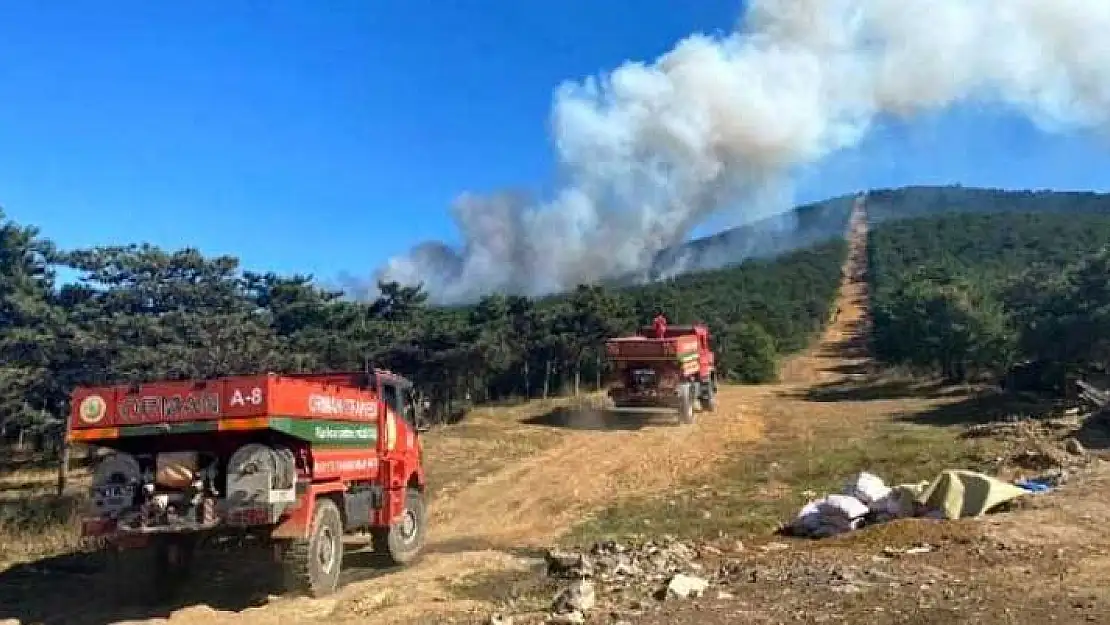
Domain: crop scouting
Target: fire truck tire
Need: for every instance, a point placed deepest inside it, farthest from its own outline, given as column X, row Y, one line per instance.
column 709, row 402
column 400, row 543
column 312, row 565
column 686, row 405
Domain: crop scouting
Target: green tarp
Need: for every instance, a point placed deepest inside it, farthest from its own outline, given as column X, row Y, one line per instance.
column 960, row 494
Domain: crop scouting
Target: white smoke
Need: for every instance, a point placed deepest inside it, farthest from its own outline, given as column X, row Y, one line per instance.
column 649, row 151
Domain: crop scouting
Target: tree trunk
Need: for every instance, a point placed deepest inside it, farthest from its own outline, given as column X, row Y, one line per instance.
column 547, row 379
column 446, row 418
column 577, row 375
column 63, row 470
column 527, row 382
column 597, row 370
column 63, row 465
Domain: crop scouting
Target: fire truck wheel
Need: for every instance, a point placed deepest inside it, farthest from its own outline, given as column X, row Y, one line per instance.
column 709, row 403
column 312, row 566
column 401, row 542
column 686, row 407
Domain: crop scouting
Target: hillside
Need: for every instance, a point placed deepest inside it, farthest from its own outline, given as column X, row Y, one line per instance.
column 819, row 221
column 919, row 201
column 802, row 227
column 970, row 295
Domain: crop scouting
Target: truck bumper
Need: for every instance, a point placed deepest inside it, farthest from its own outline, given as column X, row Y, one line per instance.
column 136, row 531
column 668, row 398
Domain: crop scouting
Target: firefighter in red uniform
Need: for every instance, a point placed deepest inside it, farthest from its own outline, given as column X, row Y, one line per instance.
column 659, row 325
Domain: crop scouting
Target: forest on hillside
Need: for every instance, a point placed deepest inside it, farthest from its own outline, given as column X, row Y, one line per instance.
column 770, row 237
column 819, row 221
column 994, row 296
column 994, row 278
column 922, row 201
column 141, row 313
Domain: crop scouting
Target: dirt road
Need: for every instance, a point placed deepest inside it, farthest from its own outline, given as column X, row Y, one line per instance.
column 482, row 520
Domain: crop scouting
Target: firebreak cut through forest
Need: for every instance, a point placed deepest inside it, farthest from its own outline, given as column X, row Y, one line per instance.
column 966, row 283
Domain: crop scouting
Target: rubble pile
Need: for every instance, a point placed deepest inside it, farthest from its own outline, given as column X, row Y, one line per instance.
column 632, row 576
column 1045, row 445
column 615, row 583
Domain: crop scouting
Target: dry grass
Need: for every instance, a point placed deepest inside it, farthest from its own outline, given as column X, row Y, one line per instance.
column 43, row 527
column 760, row 488
column 34, row 521
column 522, row 592
column 488, row 439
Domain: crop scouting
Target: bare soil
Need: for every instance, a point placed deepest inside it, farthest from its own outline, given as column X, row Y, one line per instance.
column 510, row 482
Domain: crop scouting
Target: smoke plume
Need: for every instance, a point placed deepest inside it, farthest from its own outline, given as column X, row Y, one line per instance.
column 721, row 123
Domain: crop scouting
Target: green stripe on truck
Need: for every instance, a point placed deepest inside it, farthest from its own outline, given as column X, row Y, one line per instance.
column 328, row 433
column 316, row 431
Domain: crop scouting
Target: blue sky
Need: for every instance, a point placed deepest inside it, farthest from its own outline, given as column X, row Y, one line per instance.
column 325, row 136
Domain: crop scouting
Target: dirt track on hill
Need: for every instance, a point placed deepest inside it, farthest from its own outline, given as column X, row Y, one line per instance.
column 588, row 461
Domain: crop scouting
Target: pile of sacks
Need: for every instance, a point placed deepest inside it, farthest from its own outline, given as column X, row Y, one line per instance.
column 867, row 500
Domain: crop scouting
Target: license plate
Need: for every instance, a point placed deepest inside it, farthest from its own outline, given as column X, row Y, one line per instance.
column 94, row 543
column 115, row 492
